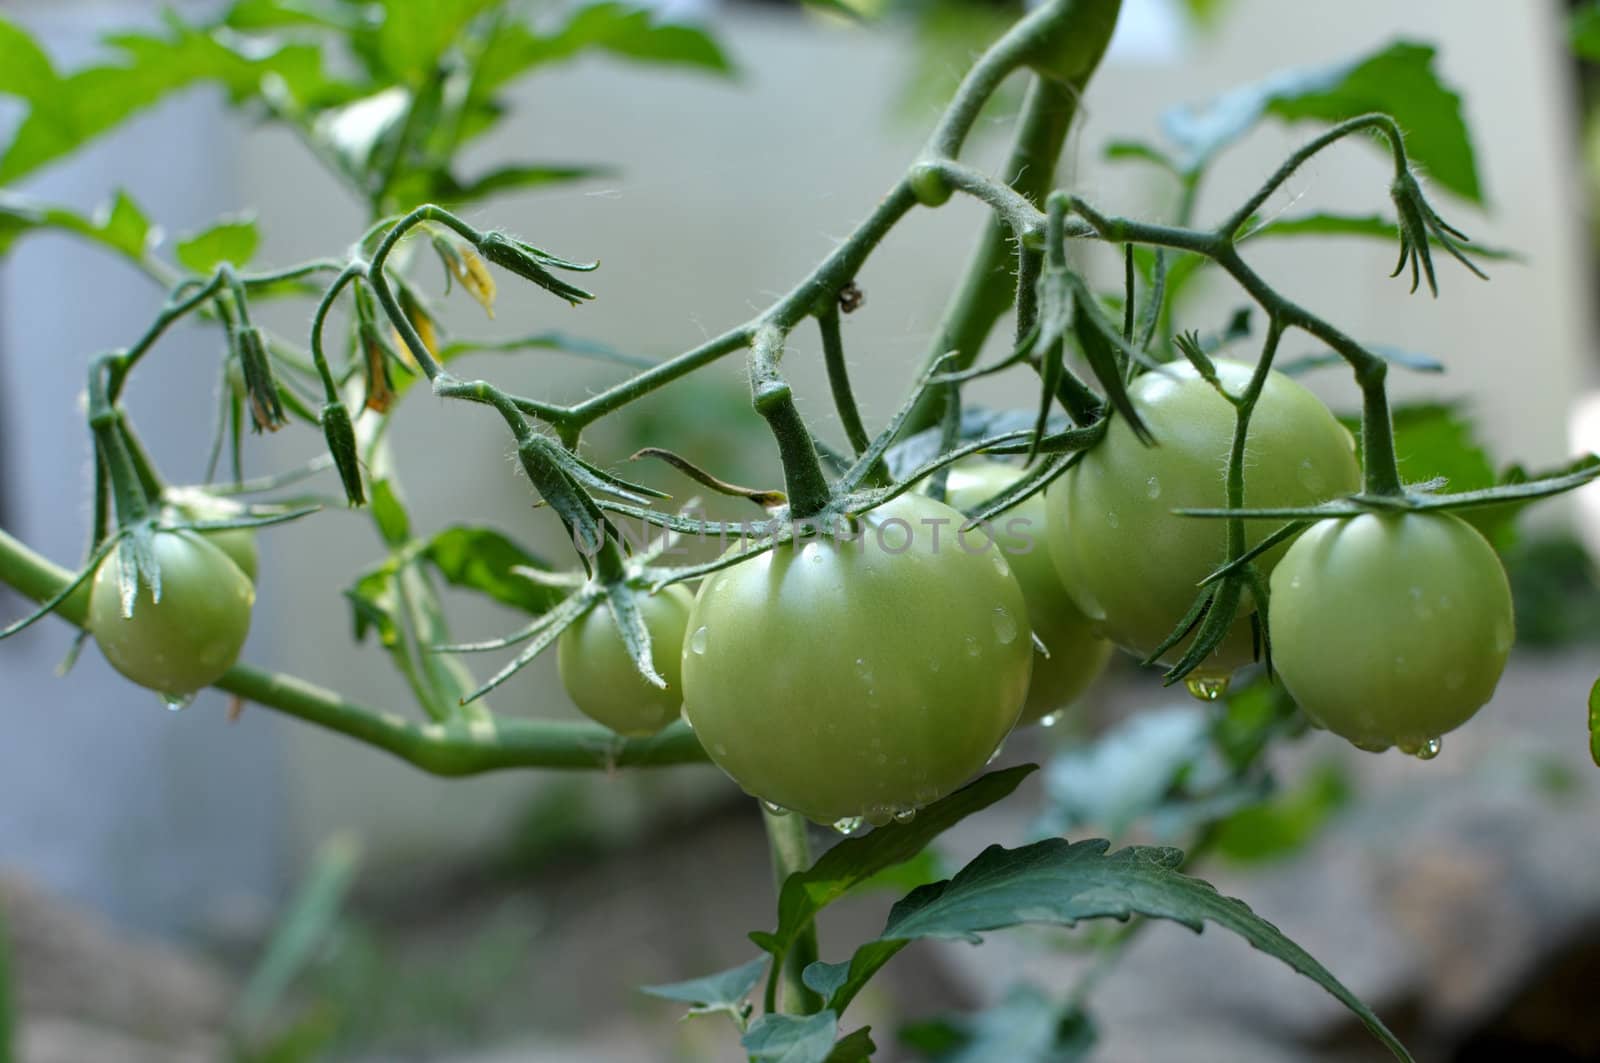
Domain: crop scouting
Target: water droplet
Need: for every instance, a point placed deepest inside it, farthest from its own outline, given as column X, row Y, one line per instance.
column 972, row 646
column 926, row 794
column 879, row 815
column 933, row 664
column 1152, row 488
column 1371, row 747
column 1112, row 519
column 1446, row 602
column 177, row 703
column 904, row 815
column 1207, row 687
column 1428, row 749
column 1294, row 583
column 847, row 825
column 773, row 808
column 1311, row 477
column 697, row 641
column 1005, row 626
column 1419, row 604
column 813, row 553
column 1050, row 719
column 720, row 750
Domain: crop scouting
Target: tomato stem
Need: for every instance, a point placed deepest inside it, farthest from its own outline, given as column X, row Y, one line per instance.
column 790, row 845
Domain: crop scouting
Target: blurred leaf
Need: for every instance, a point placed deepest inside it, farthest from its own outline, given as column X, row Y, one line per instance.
column 1398, row 80
column 481, row 559
column 792, row 1038
column 1417, row 363
column 855, row 860
column 927, row 866
column 1554, row 591
column 390, row 514
column 1284, row 825
column 374, row 606
column 1583, row 30
column 854, row 1047
column 302, row 931
column 723, row 991
column 1056, row 882
column 508, row 178
column 1122, row 150
column 119, row 225
column 65, row 112
column 282, row 14
column 622, row 30
column 232, row 240
column 1124, row 774
column 414, row 36
column 1206, row 13
column 1026, row 1026
column 1359, row 225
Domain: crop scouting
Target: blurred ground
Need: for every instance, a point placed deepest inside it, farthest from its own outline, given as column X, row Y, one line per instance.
column 1461, row 898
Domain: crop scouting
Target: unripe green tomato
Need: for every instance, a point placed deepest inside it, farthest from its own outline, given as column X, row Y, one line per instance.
column 188, row 638
column 1129, row 562
column 1077, row 655
column 860, row 678
column 601, row 677
column 238, row 543
column 1391, row 630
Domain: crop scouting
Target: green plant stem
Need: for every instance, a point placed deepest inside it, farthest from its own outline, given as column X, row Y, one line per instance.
column 790, row 845
column 467, row 747
column 808, row 489
column 844, row 399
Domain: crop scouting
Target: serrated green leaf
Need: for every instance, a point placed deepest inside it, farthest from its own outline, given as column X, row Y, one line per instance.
column 231, row 240
column 1061, row 883
column 414, row 36
column 1026, row 1026
column 1398, row 80
column 482, row 559
column 723, row 990
column 792, row 1038
column 854, row 860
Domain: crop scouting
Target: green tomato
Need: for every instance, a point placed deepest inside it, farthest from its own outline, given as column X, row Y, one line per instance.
column 1391, row 630
column 601, row 677
column 188, row 637
column 1077, row 656
column 860, row 678
column 238, row 543
column 1128, row 561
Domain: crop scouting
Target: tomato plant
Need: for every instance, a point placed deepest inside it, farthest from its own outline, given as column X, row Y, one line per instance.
column 177, row 635
column 805, row 679
column 854, row 655
column 1129, row 562
column 1073, row 655
column 1391, row 630
column 600, row 675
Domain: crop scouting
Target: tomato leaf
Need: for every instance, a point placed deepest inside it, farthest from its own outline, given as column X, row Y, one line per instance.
column 623, row 30
column 1056, row 882
column 230, row 240
column 1124, row 774
column 394, row 524
column 854, row 1047
column 1583, row 31
column 413, row 36
column 723, row 991
column 1025, row 1025
column 482, row 559
column 792, row 1038
column 855, row 860
column 1284, row 824
column 1398, row 80
column 119, row 225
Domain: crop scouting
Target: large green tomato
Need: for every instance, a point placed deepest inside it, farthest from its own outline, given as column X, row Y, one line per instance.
column 860, row 678
column 1077, row 655
column 1391, row 630
column 1128, row 561
column 188, row 638
column 601, row 678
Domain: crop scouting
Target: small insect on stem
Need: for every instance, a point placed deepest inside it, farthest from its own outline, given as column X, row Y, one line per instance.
column 851, row 298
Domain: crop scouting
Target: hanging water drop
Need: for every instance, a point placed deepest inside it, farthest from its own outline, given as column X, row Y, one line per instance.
column 847, row 825
column 1005, row 626
column 1152, row 488
column 972, row 646
column 697, row 641
column 1428, row 749
column 904, row 815
column 773, row 808
column 1050, row 719
column 879, row 815
column 1112, row 519
column 1207, row 687
column 177, row 702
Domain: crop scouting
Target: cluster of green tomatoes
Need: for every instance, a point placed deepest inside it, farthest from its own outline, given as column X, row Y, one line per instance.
column 858, row 679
